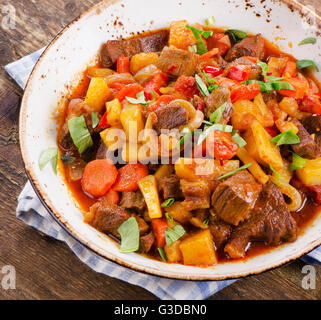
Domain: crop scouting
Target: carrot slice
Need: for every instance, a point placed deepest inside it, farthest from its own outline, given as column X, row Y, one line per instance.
column 159, row 227
column 98, row 177
column 128, row 177
column 111, row 197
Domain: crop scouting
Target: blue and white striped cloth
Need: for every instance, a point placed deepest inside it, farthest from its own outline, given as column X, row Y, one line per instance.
column 31, row 211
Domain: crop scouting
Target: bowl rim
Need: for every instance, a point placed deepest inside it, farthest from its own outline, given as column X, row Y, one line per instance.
column 49, row 206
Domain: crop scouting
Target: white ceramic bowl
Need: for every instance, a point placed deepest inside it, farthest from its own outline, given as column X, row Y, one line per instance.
column 68, row 55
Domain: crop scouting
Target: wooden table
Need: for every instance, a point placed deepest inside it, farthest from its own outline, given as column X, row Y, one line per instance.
column 47, row 269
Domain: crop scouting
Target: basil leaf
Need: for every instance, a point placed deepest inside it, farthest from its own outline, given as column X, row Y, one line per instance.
column 238, row 139
column 94, row 120
column 216, row 116
column 79, row 133
column 210, row 21
column 287, row 137
column 50, row 154
column 129, row 233
column 263, row 66
column 297, row 162
column 67, row 159
column 201, row 86
column 301, row 64
column 168, row 202
column 231, row 173
column 174, row 234
column 277, row 175
column 162, row 254
column 201, row 46
column 206, row 222
column 214, row 127
column 310, row 40
column 237, row 35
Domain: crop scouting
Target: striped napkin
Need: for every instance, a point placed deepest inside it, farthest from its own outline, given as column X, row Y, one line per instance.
column 31, row 211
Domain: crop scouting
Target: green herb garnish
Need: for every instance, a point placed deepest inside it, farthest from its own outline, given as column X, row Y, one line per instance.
column 214, row 127
column 49, row 155
column 237, row 35
column 192, row 48
column 94, row 120
column 174, row 234
column 206, row 222
column 277, row 175
column 272, row 85
column 210, row 21
column 187, row 135
column 231, row 173
column 201, row 46
column 140, row 99
column 67, row 159
column 162, row 254
column 79, row 133
column 287, row 137
column 129, row 233
column 201, row 86
column 310, row 40
column 263, row 66
column 168, row 202
column 238, row 139
column 169, row 217
column 216, row 116
column 297, row 162
column 301, row 64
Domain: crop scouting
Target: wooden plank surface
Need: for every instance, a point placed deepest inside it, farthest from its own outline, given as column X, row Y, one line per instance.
column 47, row 269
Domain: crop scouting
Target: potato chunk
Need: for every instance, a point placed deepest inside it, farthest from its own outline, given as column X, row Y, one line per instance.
column 260, row 147
column 198, row 249
column 310, row 175
column 97, row 94
column 132, row 121
column 173, row 252
column 141, row 60
column 179, row 213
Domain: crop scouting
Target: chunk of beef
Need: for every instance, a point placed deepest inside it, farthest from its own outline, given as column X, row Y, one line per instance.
column 149, row 43
column 170, row 117
column 220, row 230
column 132, row 200
column 170, row 187
column 177, row 62
column 109, row 217
column 250, row 46
column 216, row 99
column 102, row 151
column 196, row 193
column 234, row 198
column 270, row 221
column 313, row 125
column 146, row 242
column 256, row 69
column 307, row 148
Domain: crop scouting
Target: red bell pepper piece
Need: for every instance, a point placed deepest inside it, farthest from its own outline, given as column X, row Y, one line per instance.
column 159, row 227
column 158, row 81
column 162, row 100
column 130, row 90
column 240, row 73
column 212, row 70
column 272, row 131
column 123, row 65
column 103, row 124
column 245, row 92
column 301, row 88
column 220, row 41
column 289, row 70
column 311, row 104
column 186, row 86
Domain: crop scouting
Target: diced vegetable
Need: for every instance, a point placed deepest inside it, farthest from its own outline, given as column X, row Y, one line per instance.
column 113, row 112
column 240, row 72
column 261, row 148
column 289, row 105
column 198, row 249
column 103, row 124
column 289, row 70
column 210, row 54
column 178, row 212
column 311, row 104
column 128, row 177
column 141, row 60
column 79, row 133
column 98, row 177
column 158, row 81
column 163, row 171
column 173, row 252
column 194, row 169
column 130, row 90
column 284, row 126
column 123, row 65
column 255, row 168
column 220, row 41
column 148, row 187
column 111, row 197
column 180, row 36
column 276, row 65
column 162, row 100
column 99, row 72
column 129, row 233
column 112, row 138
column 76, row 170
column 201, row 46
column 245, row 92
column 310, row 175
column 265, row 112
column 301, row 88
column 132, row 120
column 97, row 94
column 159, row 227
